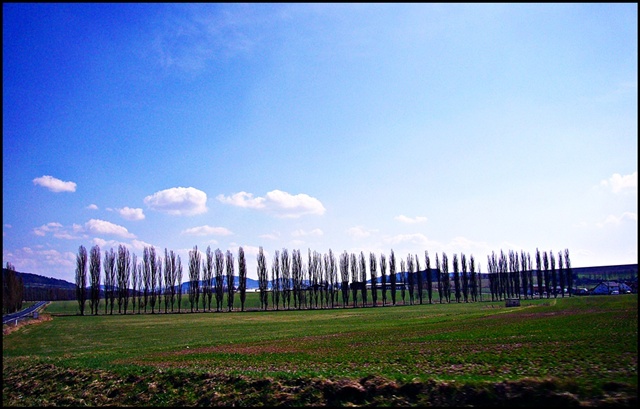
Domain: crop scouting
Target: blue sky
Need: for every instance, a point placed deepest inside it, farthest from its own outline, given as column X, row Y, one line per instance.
column 453, row 128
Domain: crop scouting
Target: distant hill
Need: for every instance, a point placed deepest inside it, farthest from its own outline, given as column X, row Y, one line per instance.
column 34, row 280
column 40, row 288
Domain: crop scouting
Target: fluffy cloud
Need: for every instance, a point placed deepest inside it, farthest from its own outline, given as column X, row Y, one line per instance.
column 404, row 219
column 58, row 231
column 277, row 202
column 621, row 183
column 131, row 214
column 207, row 231
column 98, row 226
column 179, row 201
column 92, row 207
column 55, row 185
column 242, row 199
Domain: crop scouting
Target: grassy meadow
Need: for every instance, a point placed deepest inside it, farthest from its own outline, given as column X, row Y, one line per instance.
column 575, row 351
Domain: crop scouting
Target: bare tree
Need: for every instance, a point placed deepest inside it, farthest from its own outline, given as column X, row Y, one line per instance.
column 419, row 280
column 194, row 277
column 334, row 278
column 383, row 278
column 135, row 282
column 344, row 276
column 354, row 278
column 263, row 279
column 524, row 274
column 242, row 277
column 146, row 275
column 539, row 273
column 439, row 277
column 324, row 285
column 547, row 278
column 275, row 280
column 285, row 270
column 123, row 271
column 207, row 279
column 473, row 281
column 411, row 277
column 445, row 277
column 230, row 280
column 403, row 281
column 515, row 268
column 109, row 267
column 81, row 278
column 316, row 276
column 456, row 278
column 219, row 279
column 392, row 276
column 153, row 265
column 561, row 273
column 297, row 276
column 465, row 278
column 94, row 273
column 429, row 276
column 169, row 279
column 179, row 279
column 569, row 273
column 373, row 267
column 554, row 274
column 159, row 290
column 363, row 278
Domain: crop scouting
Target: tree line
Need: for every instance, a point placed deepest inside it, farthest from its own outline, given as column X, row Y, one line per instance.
column 12, row 290
column 324, row 281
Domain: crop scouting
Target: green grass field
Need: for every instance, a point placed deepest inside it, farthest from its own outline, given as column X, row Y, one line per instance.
column 584, row 346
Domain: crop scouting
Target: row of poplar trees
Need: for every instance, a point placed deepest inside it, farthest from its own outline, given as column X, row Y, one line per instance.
column 145, row 285
column 312, row 285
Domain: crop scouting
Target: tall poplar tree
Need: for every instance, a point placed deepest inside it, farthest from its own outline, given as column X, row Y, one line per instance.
column 81, row 278
column 94, row 273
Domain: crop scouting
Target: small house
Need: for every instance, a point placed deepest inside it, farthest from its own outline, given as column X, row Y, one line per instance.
column 610, row 287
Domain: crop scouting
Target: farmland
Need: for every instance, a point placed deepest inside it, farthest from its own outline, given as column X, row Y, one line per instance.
column 569, row 351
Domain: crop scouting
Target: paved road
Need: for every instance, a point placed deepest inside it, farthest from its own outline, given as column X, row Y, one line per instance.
column 23, row 313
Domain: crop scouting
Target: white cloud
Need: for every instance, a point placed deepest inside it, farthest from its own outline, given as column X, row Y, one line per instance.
column 207, row 231
column 616, row 220
column 302, row 233
column 42, row 261
column 404, row 219
column 140, row 245
column 98, row 226
column 47, row 228
column 359, row 232
column 242, row 199
column 621, row 183
column 58, row 231
column 130, row 213
column 92, row 207
column 277, row 202
column 55, row 185
column 179, row 201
